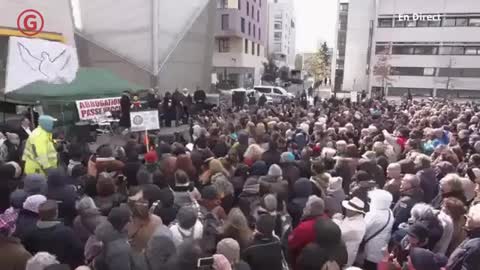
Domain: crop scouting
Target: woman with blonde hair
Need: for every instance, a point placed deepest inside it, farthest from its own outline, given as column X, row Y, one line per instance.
column 215, row 171
column 236, row 227
column 253, row 153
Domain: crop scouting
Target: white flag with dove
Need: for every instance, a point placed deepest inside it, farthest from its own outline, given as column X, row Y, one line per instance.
column 32, row 60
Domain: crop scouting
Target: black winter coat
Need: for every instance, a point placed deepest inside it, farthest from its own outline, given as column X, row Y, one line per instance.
column 26, row 223
column 265, row 253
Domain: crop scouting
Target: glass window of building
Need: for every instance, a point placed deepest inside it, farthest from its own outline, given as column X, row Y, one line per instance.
column 253, row 48
column 411, row 23
column 429, row 71
column 385, row 22
column 474, row 22
column 258, row 49
column 248, row 8
column 277, row 36
column 239, row 4
column 246, row 45
column 242, row 25
column 223, row 45
column 448, row 22
column 471, row 50
column 422, row 23
column 277, row 26
column 249, row 28
column 457, row 50
column 461, row 22
column 344, row 7
column 434, row 23
column 225, row 22
column 399, row 23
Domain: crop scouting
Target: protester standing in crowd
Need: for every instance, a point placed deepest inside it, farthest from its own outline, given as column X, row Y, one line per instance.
column 281, row 187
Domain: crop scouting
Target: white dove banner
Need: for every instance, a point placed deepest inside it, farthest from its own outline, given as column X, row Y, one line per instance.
column 32, row 60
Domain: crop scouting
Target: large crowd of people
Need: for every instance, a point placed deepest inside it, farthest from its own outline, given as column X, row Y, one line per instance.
column 338, row 185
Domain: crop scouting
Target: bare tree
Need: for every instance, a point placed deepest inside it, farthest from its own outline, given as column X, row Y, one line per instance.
column 318, row 65
column 383, row 69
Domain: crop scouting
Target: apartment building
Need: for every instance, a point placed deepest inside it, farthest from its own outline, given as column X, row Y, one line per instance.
column 338, row 59
column 281, row 32
column 240, row 42
column 431, row 48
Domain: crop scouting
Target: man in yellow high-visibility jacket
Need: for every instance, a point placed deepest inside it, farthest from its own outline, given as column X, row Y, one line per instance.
column 40, row 153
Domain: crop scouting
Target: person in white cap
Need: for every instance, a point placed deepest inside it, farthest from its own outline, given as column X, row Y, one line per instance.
column 352, row 226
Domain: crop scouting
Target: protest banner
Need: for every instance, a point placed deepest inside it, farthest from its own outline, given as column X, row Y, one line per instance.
column 88, row 109
column 144, row 120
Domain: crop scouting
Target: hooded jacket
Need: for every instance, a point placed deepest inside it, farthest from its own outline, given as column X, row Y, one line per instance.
column 302, row 189
column 58, row 190
column 40, row 153
column 375, row 220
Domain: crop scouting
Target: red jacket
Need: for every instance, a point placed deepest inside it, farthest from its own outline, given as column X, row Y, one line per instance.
column 301, row 236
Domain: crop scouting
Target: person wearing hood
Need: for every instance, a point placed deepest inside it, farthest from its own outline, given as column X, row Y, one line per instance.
column 428, row 180
column 302, row 190
column 40, row 154
column 335, row 196
column 13, row 256
column 378, row 223
column 274, row 183
column 466, row 255
column 28, row 216
column 34, row 184
column 187, row 226
column 54, row 237
column 66, row 195
column 411, row 193
column 117, row 252
column 361, row 185
column 352, row 226
column 304, row 233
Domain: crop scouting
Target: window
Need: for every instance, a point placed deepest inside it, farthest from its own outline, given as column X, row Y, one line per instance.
column 448, row 22
column 246, row 45
column 461, row 22
column 258, row 15
column 399, row 23
column 474, row 22
column 259, row 33
column 277, row 91
column 384, row 23
column 258, row 49
column 458, row 50
column 239, row 4
column 343, row 7
column 277, row 36
column 402, row 50
column 471, row 50
column 445, row 50
column 411, row 23
column 222, row 4
column 249, row 28
column 278, row 16
column 225, row 24
column 260, row 2
column 277, row 47
column 434, row 23
column 253, row 48
column 254, row 30
column 253, row 12
column 277, row 26
column 248, row 8
column 426, row 50
column 407, row 71
column 265, row 90
column 242, row 25
column 223, row 45
column 428, row 71
column 380, row 49
column 422, row 23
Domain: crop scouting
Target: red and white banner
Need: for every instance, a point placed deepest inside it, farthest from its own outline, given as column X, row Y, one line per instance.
column 90, row 108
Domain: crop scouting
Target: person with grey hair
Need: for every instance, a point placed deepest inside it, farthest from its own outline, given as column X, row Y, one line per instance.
column 426, row 174
column 304, row 233
column 394, row 173
column 411, row 193
column 450, row 186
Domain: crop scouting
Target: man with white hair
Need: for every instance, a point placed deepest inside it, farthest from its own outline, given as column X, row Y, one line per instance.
column 40, row 261
column 467, row 254
column 411, row 193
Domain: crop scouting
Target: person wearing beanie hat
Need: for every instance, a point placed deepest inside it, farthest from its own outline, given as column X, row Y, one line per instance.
column 275, row 171
column 151, row 161
column 35, row 184
column 424, row 259
column 265, row 251
column 187, row 226
column 28, row 216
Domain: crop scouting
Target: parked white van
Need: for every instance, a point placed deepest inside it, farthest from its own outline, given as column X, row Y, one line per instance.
column 277, row 94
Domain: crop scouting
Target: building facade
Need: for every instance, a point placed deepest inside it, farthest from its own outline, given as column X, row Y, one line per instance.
column 338, row 59
column 281, row 32
column 240, row 42
column 425, row 48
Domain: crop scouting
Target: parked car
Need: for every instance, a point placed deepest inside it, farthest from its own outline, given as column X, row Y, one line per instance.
column 277, row 94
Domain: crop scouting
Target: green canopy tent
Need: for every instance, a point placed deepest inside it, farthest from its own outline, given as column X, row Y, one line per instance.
column 58, row 100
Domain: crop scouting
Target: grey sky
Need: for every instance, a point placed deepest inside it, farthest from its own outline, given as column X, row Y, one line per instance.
column 315, row 21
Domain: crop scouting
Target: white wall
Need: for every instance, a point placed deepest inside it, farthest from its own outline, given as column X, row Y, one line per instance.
column 56, row 13
column 428, row 6
column 359, row 15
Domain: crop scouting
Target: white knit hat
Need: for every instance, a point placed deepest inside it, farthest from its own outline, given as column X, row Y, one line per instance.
column 33, row 202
